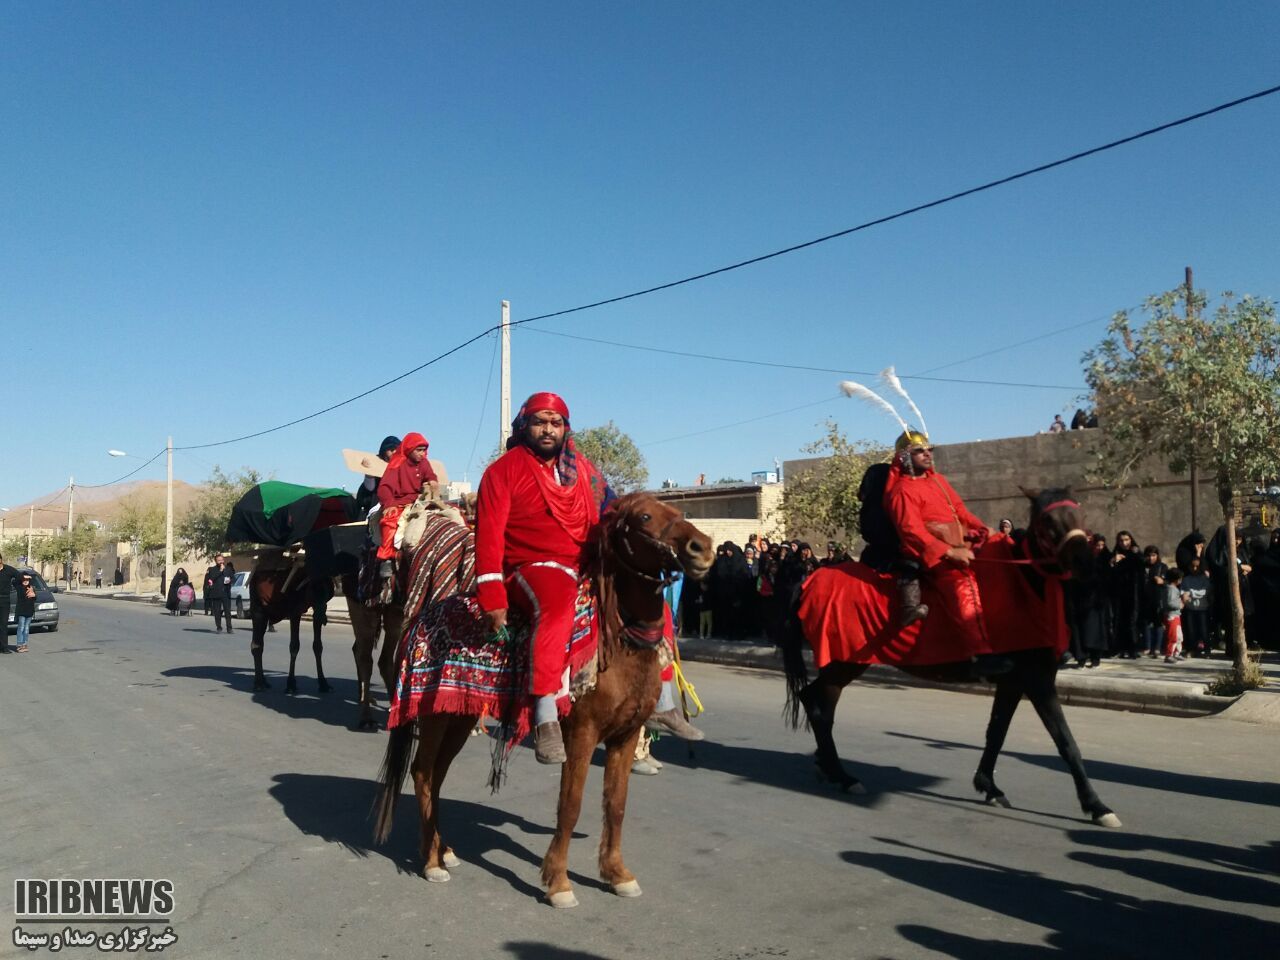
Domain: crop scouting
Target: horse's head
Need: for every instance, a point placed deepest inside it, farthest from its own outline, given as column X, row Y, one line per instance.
column 653, row 540
column 1056, row 530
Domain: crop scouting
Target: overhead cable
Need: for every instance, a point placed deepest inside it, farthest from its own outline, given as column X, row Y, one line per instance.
column 796, row 366
column 760, row 259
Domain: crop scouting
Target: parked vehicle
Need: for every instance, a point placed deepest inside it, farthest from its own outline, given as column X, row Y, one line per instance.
column 46, row 615
column 240, row 594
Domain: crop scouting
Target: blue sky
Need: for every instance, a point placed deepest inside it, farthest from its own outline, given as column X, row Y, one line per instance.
column 220, row 217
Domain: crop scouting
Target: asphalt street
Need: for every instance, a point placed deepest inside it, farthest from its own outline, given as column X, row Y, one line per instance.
column 133, row 747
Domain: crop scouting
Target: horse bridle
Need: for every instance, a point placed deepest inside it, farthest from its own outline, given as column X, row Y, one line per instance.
column 623, row 530
column 643, row 634
column 1052, row 549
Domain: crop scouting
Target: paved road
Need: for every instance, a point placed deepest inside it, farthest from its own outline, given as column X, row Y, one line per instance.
column 135, row 749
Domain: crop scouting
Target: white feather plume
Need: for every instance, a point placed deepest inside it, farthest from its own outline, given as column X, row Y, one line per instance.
column 868, row 395
column 890, row 377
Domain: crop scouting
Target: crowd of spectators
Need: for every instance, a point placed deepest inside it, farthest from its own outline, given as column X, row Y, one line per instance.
column 1139, row 599
column 1126, row 610
column 749, row 588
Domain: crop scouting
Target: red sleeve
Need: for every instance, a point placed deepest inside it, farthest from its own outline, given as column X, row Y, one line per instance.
column 917, row 541
column 493, row 506
column 427, row 472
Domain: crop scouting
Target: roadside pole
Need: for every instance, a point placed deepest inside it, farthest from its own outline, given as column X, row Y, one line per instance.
column 71, row 515
column 1195, row 474
column 504, row 407
column 168, row 513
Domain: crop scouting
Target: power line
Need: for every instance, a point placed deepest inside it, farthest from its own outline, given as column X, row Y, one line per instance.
column 1151, row 131
column 90, row 486
column 795, row 366
column 1019, row 343
column 760, row 259
column 342, row 403
column 483, row 405
column 739, row 423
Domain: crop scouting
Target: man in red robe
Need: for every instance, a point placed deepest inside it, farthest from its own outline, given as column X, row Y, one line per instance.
column 939, row 535
column 536, row 505
column 407, row 473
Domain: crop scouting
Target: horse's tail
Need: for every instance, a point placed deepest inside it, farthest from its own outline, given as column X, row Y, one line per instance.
column 394, row 767
column 793, row 643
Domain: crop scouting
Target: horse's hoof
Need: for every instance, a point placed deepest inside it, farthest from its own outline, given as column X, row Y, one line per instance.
column 436, row 875
column 261, row 685
column 998, row 800
column 451, row 860
column 628, row 888
column 841, row 779
column 290, row 687
column 324, row 686
column 1108, row 820
column 562, row 900
column 995, row 797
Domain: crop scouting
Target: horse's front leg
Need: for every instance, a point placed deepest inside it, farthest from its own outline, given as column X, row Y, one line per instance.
column 317, row 647
column 295, row 644
column 580, row 742
column 365, row 624
column 819, row 699
column 392, row 619
column 1003, row 706
column 256, row 641
column 619, row 753
column 1043, row 694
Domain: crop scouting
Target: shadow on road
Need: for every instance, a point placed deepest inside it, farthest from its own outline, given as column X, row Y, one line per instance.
column 1082, row 919
column 337, row 708
column 1193, row 784
column 529, row 950
column 338, row 810
column 789, row 771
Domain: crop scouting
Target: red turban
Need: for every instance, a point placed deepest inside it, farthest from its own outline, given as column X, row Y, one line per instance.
column 545, row 401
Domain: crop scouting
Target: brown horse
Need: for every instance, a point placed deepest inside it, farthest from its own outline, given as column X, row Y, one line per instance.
column 630, row 555
column 1054, row 546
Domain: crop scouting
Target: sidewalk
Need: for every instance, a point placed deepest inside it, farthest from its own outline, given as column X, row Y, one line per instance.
column 1139, row 686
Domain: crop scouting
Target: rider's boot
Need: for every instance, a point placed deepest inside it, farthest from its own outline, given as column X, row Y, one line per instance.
column 912, row 609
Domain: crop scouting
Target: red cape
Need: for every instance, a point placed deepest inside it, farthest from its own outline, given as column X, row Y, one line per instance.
column 849, row 613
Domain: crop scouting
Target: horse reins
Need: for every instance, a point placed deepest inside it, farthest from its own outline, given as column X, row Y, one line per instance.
column 1032, row 560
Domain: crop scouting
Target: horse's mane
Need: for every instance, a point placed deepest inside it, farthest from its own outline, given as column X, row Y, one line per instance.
column 600, row 563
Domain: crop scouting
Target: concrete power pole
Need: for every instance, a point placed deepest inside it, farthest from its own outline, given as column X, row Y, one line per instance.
column 168, row 512
column 31, row 519
column 71, row 516
column 504, row 406
column 1195, row 474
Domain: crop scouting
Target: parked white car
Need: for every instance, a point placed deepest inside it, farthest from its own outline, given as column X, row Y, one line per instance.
column 240, row 595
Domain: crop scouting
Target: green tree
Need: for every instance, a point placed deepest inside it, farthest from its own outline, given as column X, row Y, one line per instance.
column 616, row 454
column 12, row 548
column 824, row 500
column 1189, row 388
column 143, row 521
column 203, row 527
column 51, row 549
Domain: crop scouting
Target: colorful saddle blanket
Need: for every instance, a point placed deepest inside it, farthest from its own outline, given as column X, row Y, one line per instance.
column 849, row 613
column 449, row 664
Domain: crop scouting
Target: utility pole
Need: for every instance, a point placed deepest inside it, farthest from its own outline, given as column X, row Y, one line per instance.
column 504, row 406
column 71, row 515
column 168, row 512
column 1195, row 474
column 31, row 516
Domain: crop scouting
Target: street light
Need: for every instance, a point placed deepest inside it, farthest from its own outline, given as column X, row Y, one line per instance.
column 168, row 503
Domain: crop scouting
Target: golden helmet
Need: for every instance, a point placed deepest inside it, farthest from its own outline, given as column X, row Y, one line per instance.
column 909, row 439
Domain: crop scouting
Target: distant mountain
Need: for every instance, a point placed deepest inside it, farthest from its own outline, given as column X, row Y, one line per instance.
column 102, row 503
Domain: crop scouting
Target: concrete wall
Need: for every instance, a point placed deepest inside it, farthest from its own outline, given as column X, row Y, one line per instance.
column 732, row 514
column 988, row 473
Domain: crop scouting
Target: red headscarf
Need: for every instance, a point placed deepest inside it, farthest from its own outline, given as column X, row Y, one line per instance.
column 401, row 455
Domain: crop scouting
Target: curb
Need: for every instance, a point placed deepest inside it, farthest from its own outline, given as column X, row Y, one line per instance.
column 1169, row 698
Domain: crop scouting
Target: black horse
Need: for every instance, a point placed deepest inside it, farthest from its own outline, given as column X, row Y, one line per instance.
column 1053, row 547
